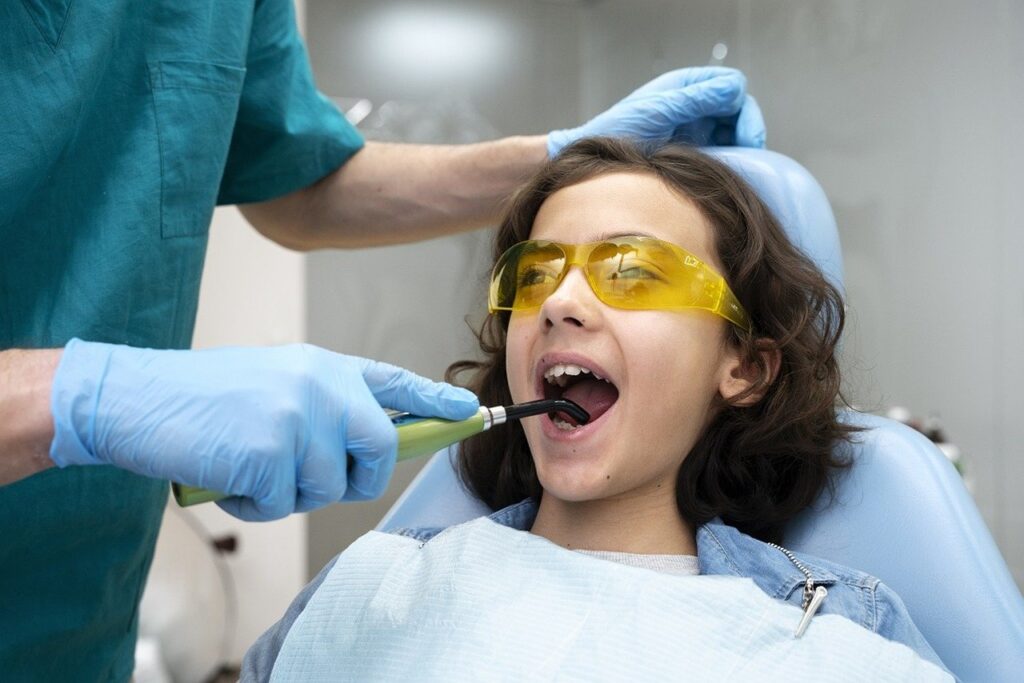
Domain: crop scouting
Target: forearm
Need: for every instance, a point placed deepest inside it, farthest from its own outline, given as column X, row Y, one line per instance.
column 26, row 425
column 393, row 193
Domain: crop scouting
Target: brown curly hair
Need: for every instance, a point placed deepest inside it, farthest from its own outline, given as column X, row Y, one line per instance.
column 757, row 466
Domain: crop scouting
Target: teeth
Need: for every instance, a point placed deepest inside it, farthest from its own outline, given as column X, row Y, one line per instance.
column 559, row 373
column 563, row 425
column 559, row 370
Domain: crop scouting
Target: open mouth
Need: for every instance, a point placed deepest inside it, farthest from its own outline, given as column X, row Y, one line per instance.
column 583, row 386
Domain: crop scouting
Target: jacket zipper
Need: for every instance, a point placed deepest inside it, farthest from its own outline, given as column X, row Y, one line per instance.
column 813, row 595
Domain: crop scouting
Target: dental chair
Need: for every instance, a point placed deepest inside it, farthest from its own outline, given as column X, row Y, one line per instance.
column 900, row 513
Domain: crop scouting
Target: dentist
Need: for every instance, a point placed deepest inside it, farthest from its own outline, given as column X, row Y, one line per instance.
column 122, row 125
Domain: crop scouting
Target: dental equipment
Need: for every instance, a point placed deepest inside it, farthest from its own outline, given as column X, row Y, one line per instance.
column 426, row 435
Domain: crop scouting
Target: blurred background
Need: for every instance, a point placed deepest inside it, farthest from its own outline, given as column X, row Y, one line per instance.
column 907, row 113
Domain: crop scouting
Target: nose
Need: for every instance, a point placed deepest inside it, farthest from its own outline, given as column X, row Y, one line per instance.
column 573, row 304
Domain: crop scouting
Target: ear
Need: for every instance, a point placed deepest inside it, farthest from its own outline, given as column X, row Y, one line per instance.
column 744, row 383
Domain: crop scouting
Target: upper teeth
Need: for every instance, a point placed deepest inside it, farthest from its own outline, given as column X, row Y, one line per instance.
column 559, row 373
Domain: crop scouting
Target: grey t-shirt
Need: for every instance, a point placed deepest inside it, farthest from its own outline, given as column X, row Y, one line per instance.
column 677, row 565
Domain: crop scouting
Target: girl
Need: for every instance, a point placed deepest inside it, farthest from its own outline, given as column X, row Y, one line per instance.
column 656, row 290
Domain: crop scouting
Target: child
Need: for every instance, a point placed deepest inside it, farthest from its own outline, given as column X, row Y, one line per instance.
column 657, row 291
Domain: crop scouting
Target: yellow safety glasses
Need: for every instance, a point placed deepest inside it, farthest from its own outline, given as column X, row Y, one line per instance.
column 633, row 272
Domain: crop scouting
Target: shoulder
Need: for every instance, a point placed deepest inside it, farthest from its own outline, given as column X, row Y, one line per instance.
column 783, row 575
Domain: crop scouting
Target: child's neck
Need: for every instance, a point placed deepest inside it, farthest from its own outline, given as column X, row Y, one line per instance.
column 642, row 525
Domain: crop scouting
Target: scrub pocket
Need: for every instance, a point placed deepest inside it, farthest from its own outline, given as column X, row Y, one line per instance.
column 196, row 104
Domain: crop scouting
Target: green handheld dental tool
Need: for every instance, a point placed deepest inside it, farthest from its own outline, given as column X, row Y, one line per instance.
column 425, row 435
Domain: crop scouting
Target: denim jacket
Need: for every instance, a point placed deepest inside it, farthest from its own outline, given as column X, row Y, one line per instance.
column 721, row 549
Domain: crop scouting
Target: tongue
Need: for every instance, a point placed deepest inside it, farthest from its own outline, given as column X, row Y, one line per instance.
column 593, row 395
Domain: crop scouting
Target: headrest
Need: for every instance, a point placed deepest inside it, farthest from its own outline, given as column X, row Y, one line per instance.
column 797, row 201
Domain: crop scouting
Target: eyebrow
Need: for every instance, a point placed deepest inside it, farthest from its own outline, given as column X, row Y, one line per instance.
column 633, row 233
column 630, row 233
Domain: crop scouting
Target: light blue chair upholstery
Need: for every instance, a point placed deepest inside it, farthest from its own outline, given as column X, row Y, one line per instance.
column 901, row 512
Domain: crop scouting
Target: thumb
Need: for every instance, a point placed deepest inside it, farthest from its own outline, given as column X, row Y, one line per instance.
column 400, row 389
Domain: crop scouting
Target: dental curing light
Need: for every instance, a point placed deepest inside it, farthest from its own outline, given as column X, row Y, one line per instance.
column 424, row 435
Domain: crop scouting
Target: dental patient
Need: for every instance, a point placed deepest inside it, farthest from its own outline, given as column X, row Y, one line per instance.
column 656, row 290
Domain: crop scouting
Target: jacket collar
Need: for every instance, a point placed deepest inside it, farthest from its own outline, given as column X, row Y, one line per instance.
column 721, row 549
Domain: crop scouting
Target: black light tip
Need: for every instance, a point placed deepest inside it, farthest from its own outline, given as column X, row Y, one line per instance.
column 551, row 405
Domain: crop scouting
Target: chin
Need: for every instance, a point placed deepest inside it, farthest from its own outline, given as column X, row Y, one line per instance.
column 574, row 490
column 570, row 497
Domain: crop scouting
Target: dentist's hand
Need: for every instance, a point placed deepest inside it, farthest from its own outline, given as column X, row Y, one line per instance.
column 285, row 429
column 700, row 106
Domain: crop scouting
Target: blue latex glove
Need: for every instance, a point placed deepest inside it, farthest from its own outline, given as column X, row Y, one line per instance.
column 287, row 429
column 700, row 106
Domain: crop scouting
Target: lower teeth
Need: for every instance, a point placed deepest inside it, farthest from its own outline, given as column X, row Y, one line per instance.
column 563, row 425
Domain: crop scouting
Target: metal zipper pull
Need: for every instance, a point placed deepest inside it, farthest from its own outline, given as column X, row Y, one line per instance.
column 808, row 593
column 820, row 593
column 813, row 596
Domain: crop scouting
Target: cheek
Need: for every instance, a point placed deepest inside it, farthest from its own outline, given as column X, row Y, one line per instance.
column 675, row 368
column 517, row 354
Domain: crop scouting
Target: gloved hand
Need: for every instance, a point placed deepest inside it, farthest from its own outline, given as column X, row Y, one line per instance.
column 701, row 106
column 287, row 429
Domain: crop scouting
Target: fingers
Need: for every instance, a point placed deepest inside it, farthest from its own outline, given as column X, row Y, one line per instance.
column 323, row 474
column 346, row 445
column 349, row 447
column 750, row 129
column 349, row 461
column 372, row 441
column 681, row 78
column 244, row 509
column 371, row 444
column 685, row 104
column 717, row 97
column 557, row 139
column 400, row 389
column 276, row 505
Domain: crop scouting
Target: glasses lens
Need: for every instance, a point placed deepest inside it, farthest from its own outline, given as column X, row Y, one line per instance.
column 639, row 273
column 525, row 275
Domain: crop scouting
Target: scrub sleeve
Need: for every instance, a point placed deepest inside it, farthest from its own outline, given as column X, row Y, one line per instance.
column 122, row 123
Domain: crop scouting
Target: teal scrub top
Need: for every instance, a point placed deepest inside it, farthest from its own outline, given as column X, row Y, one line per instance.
column 122, row 124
